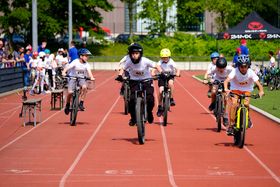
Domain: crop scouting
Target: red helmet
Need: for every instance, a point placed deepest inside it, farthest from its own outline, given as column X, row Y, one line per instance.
column 35, row 53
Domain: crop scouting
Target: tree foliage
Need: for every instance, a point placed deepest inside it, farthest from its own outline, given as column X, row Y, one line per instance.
column 131, row 4
column 156, row 12
column 52, row 15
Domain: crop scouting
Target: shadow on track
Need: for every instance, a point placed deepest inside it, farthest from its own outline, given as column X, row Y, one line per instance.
column 132, row 140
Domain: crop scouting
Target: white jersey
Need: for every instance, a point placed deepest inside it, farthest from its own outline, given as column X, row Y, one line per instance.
column 221, row 76
column 122, row 61
column 242, row 82
column 61, row 60
column 141, row 70
column 210, row 68
column 48, row 62
column 33, row 62
column 78, row 69
column 169, row 67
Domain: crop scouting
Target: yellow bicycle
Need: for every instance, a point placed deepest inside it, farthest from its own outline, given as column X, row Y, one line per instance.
column 242, row 119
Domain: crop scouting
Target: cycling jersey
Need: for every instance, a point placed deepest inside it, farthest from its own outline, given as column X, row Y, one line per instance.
column 140, row 70
column 242, row 82
column 76, row 68
column 221, row 76
column 169, row 67
column 210, row 68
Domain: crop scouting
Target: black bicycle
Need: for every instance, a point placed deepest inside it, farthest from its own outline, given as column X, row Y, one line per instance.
column 166, row 94
column 242, row 119
column 74, row 107
column 126, row 95
column 219, row 104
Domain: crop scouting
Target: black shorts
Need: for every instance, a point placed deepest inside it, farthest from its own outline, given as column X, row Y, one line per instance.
column 161, row 81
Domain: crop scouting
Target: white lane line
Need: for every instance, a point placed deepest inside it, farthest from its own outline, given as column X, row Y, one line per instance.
column 273, row 175
column 166, row 151
column 27, row 132
column 81, row 153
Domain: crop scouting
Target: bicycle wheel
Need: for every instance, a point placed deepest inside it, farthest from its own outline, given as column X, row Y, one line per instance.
column 139, row 110
column 125, row 98
column 166, row 104
column 243, row 126
column 74, row 110
column 218, row 110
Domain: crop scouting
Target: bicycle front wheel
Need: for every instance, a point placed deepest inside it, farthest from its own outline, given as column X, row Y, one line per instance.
column 243, row 126
column 74, row 110
column 218, row 110
column 139, row 110
column 166, row 104
column 125, row 99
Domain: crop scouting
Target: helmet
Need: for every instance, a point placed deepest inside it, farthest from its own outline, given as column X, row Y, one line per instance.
column 214, row 55
column 42, row 54
column 35, row 53
column 165, row 53
column 221, row 62
column 84, row 51
column 135, row 47
column 47, row 51
column 243, row 60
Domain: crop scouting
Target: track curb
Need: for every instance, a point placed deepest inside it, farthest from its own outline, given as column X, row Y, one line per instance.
column 266, row 114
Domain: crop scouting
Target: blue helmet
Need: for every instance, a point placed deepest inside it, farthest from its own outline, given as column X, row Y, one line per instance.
column 243, row 60
column 214, row 55
column 84, row 51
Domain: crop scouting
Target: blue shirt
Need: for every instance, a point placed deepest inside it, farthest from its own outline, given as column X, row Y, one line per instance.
column 244, row 50
column 73, row 54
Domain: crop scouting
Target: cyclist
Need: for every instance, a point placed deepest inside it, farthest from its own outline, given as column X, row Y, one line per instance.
column 139, row 69
column 79, row 68
column 214, row 57
column 241, row 80
column 168, row 66
column 220, row 72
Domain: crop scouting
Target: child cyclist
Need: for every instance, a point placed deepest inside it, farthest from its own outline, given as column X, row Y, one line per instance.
column 168, row 66
column 220, row 72
column 214, row 57
column 242, row 80
column 78, row 68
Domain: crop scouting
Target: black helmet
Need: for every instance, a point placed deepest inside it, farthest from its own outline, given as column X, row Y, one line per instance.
column 84, row 51
column 221, row 62
column 135, row 47
column 243, row 60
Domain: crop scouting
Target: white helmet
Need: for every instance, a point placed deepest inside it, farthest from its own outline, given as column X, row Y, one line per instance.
column 42, row 54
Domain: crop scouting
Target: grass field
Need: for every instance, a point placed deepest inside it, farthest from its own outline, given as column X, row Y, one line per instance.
column 269, row 103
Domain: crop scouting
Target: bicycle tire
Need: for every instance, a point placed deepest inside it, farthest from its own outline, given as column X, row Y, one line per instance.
column 139, row 110
column 219, row 105
column 166, row 104
column 125, row 97
column 74, row 110
column 243, row 126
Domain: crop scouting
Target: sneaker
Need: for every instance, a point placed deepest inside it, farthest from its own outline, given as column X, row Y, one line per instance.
column 172, row 102
column 31, row 92
column 150, row 117
column 211, row 106
column 160, row 110
column 250, row 124
column 225, row 121
column 67, row 109
column 230, row 131
column 81, row 106
column 132, row 122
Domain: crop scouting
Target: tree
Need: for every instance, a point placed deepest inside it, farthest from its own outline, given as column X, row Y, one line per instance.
column 52, row 16
column 156, row 12
column 131, row 6
column 188, row 13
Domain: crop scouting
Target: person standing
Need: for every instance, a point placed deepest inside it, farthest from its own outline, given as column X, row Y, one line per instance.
column 243, row 47
column 73, row 52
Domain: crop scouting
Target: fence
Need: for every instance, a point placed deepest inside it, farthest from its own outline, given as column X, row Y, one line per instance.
column 11, row 79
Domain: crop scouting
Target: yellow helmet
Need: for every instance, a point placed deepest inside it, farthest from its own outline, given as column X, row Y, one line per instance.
column 165, row 53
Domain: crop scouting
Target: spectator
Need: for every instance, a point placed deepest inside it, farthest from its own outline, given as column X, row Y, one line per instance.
column 26, row 68
column 16, row 54
column 278, row 57
column 43, row 46
column 235, row 57
column 243, row 47
column 73, row 52
column 2, row 54
column 271, row 60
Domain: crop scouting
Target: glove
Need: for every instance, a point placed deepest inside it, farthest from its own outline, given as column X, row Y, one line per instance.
column 119, row 78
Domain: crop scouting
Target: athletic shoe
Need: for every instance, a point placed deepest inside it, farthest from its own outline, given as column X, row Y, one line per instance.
column 211, row 106
column 67, row 108
column 225, row 121
column 250, row 124
column 81, row 106
column 172, row 102
column 230, row 131
column 132, row 122
column 160, row 111
column 150, row 117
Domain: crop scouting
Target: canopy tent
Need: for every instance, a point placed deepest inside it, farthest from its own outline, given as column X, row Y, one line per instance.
column 252, row 27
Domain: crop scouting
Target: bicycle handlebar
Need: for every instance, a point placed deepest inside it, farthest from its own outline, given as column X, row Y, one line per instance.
column 76, row 77
column 254, row 96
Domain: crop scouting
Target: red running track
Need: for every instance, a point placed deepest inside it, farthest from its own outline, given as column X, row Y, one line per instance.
column 102, row 150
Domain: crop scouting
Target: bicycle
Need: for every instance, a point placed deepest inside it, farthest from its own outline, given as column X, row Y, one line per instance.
column 141, row 109
column 166, row 94
column 126, row 96
column 74, row 107
column 274, row 82
column 242, row 119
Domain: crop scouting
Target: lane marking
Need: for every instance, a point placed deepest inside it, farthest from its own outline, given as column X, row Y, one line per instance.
column 271, row 173
column 166, row 151
column 84, row 149
column 27, row 132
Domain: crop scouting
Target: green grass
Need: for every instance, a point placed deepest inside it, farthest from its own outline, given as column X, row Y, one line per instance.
column 269, row 103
